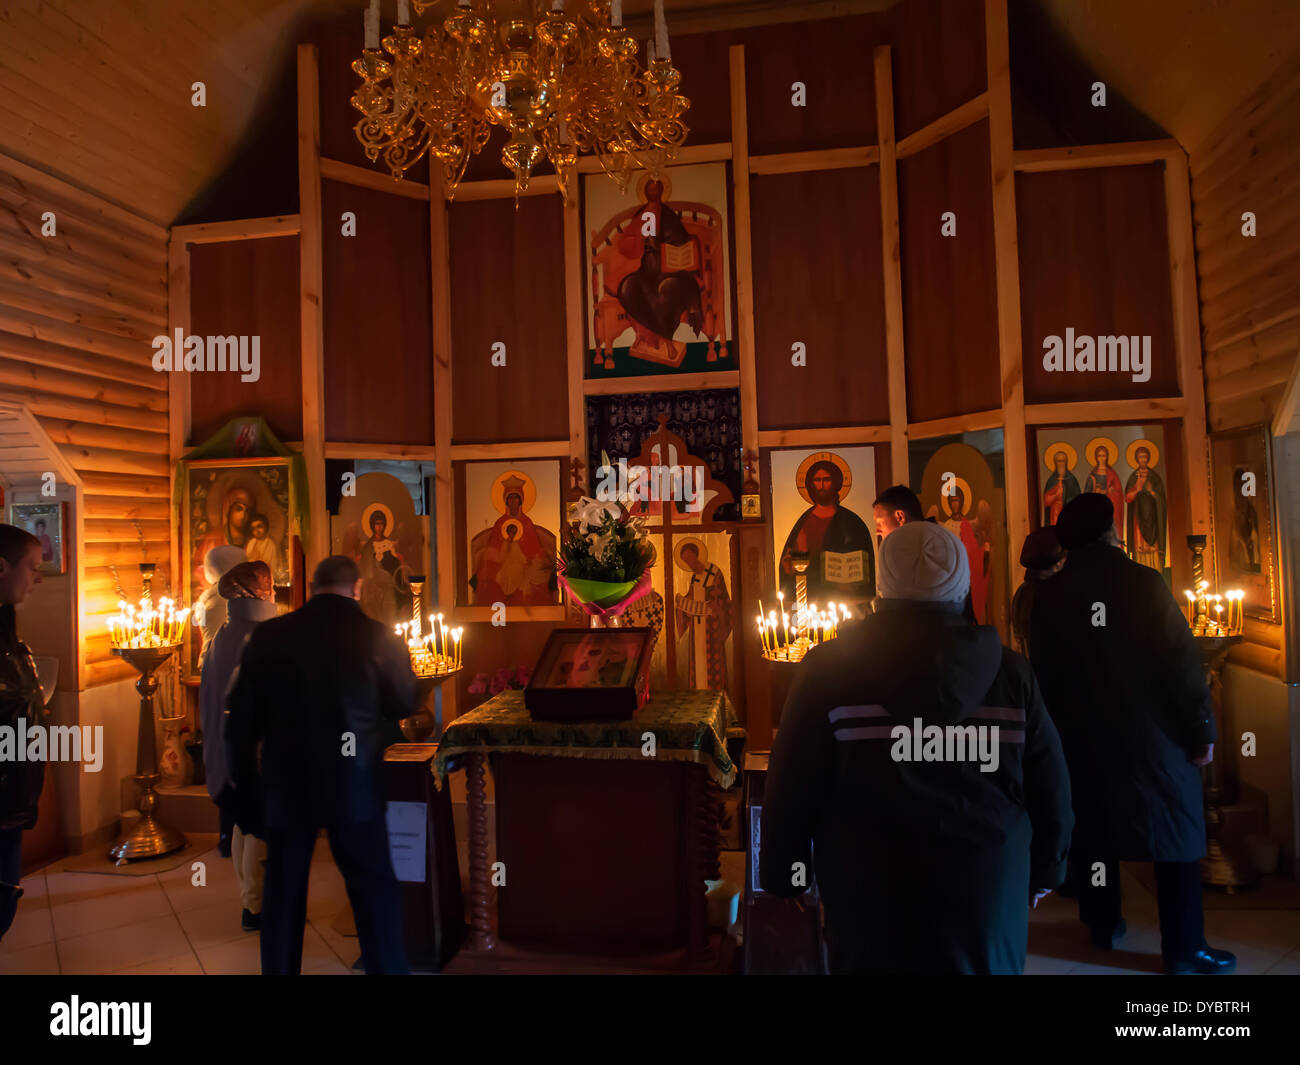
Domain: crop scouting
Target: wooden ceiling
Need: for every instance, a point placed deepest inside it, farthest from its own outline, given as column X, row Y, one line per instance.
column 98, row 93
column 1187, row 64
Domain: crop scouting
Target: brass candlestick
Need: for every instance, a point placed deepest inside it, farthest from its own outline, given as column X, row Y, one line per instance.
column 1197, row 545
column 1225, row 864
column 150, row 836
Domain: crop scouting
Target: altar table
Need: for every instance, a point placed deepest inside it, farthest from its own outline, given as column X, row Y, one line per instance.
column 601, row 847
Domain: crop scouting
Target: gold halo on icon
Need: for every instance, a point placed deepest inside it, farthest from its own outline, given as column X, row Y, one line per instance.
column 688, row 541
column 1090, row 452
column 801, row 474
column 645, row 179
column 382, row 509
column 1050, row 452
column 499, row 491
column 1131, row 450
column 956, row 482
column 512, row 529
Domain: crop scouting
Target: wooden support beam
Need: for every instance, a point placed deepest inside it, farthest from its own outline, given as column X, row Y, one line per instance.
column 959, row 423
column 1187, row 338
column 1007, row 269
column 335, row 449
column 575, row 336
column 686, row 382
column 334, row 170
column 827, row 437
column 1135, row 410
column 443, row 485
column 311, row 289
column 954, row 121
column 280, row 225
column 891, row 266
column 744, row 253
column 688, row 153
column 504, row 188
column 524, row 449
column 822, row 159
column 1088, row 156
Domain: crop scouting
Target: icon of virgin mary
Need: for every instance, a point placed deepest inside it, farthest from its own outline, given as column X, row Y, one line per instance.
column 514, row 560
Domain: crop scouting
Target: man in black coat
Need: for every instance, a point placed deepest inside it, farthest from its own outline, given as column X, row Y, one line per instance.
column 20, row 702
column 916, row 766
column 316, row 689
column 1123, row 681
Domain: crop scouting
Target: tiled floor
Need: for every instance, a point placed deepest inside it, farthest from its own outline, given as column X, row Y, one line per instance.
column 75, row 922
column 1265, row 941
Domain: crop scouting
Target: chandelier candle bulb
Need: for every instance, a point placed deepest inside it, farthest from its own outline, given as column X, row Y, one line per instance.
column 372, row 25
column 661, row 33
column 616, row 13
column 404, row 12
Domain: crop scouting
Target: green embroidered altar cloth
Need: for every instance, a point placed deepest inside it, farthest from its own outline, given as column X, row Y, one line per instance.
column 688, row 726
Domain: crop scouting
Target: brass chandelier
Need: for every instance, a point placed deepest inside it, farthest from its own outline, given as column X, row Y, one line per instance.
column 561, row 77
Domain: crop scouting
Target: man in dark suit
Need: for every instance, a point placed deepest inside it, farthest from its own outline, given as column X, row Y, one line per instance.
column 318, row 689
column 1123, row 681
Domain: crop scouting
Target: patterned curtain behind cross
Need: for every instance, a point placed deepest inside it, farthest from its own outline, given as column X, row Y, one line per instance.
column 709, row 422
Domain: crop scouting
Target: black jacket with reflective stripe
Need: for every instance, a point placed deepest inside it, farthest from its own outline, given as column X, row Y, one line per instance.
column 923, row 865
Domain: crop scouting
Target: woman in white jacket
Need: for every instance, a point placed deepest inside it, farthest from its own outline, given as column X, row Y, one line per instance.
column 249, row 600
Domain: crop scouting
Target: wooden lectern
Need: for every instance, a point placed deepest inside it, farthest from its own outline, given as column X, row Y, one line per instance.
column 422, row 840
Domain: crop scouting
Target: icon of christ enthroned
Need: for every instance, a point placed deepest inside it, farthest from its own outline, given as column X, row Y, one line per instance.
column 655, row 267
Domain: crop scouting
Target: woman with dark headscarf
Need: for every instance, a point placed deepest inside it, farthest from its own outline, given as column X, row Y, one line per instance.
column 249, row 597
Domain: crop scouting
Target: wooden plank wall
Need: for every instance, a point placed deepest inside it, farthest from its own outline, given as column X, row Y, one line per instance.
column 78, row 313
column 1250, row 286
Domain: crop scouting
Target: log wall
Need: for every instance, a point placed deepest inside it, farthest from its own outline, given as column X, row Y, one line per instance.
column 78, row 312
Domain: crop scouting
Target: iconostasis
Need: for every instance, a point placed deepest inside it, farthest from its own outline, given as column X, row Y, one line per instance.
column 811, row 304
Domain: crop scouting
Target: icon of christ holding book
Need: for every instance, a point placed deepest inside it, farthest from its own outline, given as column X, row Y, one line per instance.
column 837, row 541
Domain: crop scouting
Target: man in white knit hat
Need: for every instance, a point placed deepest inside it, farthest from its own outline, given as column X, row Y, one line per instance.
column 916, row 768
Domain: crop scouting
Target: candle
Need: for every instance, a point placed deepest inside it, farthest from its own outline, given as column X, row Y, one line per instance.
column 661, row 33
column 372, row 25
column 615, row 12
column 404, row 12
column 785, row 628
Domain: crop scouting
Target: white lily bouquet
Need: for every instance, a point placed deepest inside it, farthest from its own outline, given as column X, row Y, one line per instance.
column 605, row 552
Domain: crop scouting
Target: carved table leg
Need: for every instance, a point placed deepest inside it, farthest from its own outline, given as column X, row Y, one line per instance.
column 480, row 867
column 701, row 859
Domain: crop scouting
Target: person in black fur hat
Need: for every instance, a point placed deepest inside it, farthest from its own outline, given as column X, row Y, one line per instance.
column 1122, row 679
column 1042, row 556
